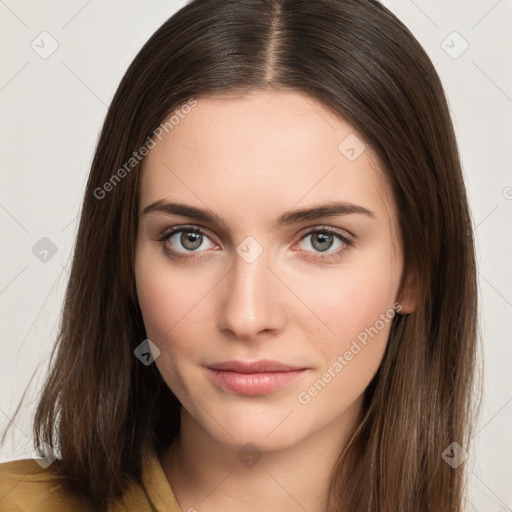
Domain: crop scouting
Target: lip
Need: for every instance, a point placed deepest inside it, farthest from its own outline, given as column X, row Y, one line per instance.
column 259, row 366
column 253, row 378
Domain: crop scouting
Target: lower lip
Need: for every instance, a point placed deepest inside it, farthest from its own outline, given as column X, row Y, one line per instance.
column 253, row 383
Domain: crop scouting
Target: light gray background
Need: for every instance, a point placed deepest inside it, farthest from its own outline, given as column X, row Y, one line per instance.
column 51, row 112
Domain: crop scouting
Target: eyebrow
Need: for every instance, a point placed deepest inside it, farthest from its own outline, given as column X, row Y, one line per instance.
column 329, row 209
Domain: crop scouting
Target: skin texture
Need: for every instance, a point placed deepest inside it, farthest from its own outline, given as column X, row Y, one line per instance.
column 250, row 159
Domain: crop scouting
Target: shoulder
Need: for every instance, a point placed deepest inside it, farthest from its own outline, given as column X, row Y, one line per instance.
column 25, row 485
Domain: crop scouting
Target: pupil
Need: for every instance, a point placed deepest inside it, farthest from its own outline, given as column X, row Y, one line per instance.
column 325, row 241
column 191, row 240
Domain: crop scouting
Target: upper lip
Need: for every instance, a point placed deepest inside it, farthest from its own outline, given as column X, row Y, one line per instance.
column 262, row 365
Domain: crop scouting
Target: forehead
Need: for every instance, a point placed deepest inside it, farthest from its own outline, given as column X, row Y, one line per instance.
column 264, row 151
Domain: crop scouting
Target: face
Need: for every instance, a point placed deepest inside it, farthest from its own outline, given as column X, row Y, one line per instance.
column 249, row 274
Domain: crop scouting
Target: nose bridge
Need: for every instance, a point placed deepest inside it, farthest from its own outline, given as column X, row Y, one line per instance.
column 250, row 300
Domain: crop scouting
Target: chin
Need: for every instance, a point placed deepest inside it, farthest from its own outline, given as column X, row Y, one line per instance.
column 259, row 434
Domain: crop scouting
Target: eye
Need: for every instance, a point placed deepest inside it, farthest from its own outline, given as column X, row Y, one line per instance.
column 180, row 240
column 324, row 239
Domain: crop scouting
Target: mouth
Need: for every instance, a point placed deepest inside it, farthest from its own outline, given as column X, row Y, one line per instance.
column 254, row 378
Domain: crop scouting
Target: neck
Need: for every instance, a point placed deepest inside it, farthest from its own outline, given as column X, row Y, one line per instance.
column 205, row 474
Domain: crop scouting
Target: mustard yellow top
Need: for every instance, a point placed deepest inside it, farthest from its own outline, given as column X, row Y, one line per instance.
column 23, row 489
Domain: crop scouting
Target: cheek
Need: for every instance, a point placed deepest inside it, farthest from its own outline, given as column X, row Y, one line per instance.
column 168, row 303
column 352, row 300
column 349, row 358
column 172, row 301
column 357, row 305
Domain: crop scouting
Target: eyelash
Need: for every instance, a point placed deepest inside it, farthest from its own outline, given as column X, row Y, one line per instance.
column 179, row 255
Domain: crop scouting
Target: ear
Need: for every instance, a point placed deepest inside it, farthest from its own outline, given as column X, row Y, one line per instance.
column 408, row 294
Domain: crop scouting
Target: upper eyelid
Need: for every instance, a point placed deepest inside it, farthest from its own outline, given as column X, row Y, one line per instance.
column 177, row 229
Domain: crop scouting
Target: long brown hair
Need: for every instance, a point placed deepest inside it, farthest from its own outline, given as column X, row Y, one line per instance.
column 100, row 408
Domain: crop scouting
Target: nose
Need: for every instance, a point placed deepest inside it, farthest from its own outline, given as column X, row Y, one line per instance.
column 251, row 303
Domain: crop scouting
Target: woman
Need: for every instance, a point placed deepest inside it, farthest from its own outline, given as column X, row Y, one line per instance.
column 272, row 302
